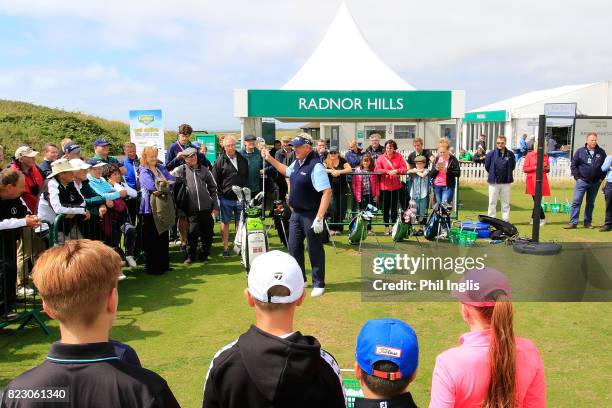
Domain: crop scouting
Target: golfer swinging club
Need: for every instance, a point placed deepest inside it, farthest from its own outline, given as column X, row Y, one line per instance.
column 309, row 197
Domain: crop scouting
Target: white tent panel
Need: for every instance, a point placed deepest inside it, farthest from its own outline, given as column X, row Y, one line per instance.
column 344, row 61
column 531, row 98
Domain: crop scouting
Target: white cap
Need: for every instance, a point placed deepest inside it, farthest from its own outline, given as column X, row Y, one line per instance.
column 79, row 164
column 272, row 269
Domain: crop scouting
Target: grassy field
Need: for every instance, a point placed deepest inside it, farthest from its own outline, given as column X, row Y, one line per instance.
column 176, row 322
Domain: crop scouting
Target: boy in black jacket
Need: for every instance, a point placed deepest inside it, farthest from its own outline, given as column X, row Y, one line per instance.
column 78, row 286
column 272, row 365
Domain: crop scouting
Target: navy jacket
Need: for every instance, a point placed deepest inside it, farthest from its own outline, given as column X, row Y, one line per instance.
column 589, row 172
column 500, row 167
column 173, row 162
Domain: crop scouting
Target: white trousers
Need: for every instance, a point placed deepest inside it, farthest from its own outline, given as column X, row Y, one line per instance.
column 503, row 192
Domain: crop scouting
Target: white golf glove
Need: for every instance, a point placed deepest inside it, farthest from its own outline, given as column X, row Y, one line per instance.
column 317, row 225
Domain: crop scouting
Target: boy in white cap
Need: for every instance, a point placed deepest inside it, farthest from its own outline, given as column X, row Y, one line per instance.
column 272, row 364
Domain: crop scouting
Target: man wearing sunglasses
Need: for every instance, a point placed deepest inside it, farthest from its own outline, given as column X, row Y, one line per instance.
column 500, row 164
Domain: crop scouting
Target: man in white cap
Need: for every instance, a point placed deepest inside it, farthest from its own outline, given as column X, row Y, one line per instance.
column 272, row 364
column 60, row 196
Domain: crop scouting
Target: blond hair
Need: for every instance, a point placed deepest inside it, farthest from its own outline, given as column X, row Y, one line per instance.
column 146, row 152
column 75, row 279
column 444, row 142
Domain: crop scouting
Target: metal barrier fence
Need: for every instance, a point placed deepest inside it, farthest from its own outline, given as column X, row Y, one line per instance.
column 19, row 302
column 344, row 205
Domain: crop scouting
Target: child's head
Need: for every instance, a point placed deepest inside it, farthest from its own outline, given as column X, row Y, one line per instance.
column 387, row 355
column 78, row 283
column 419, row 162
column 276, row 283
column 367, row 163
column 112, row 173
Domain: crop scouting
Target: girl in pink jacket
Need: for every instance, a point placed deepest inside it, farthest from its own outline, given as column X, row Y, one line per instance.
column 491, row 367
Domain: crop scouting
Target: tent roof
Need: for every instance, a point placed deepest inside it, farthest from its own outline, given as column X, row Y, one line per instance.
column 530, row 98
column 344, row 61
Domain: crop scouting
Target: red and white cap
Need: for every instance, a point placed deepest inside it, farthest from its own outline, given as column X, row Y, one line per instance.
column 272, row 269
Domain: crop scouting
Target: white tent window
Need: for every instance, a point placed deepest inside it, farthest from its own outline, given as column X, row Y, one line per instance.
column 381, row 130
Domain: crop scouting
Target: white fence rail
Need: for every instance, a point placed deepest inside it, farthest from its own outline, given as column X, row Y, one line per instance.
column 476, row 173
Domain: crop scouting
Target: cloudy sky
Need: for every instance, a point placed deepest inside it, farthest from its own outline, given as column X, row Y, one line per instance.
column 186, row 56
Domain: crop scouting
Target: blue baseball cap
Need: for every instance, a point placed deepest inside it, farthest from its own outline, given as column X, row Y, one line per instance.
column 387, row 340
column 102, row 142
column 196, row 144
column 300, row 141
column 72, row 148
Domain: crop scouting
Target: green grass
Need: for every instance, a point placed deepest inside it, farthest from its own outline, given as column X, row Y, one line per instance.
column 176, row 322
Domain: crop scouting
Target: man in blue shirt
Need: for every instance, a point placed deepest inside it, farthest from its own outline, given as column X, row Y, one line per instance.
column 607, row 168
column 500, row 163
column 586, row 169
column 309, row 196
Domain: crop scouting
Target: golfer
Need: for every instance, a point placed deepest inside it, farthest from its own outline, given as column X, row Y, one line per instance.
column 309, row 197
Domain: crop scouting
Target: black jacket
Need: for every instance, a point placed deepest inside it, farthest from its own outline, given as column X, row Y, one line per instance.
column 589, row 172
column 401, row 401
column 226, row 176
column 201, row 188
column 262, row 370
column 453, row 171
column 93, row 376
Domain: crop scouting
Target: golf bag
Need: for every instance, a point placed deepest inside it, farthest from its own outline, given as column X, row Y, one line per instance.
column 403, row 226
column 502, row 230
column 251, row 238
column 358, row 227
column 438, row 223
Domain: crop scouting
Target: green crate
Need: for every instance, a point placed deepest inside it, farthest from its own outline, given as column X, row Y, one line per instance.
column 545, row 206
column 352, row 390
column 467, row 238
column 555, row 208
column 453, row 235
column 567, row 207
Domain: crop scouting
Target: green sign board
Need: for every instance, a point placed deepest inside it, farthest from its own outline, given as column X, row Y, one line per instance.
column 210, row 141
column 349, row 104
column 489, row 116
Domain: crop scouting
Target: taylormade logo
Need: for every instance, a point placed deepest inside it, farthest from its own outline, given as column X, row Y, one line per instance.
column 412, row 264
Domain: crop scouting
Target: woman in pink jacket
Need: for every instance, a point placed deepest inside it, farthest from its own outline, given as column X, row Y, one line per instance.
column 529, row 167
column 391, row 165
column 491, row 368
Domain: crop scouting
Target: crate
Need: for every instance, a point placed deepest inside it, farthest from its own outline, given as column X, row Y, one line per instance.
column 352, row 390
column 555, row 208
column 467, row 238
column 567, row 207
column 545, row 206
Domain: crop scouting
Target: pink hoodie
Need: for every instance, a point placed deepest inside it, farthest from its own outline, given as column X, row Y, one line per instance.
column 461, row 374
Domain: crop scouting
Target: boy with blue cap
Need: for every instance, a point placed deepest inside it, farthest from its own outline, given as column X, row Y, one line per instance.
column 387, row 355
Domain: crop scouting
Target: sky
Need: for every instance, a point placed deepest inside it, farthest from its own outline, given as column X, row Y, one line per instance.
column 187, row 56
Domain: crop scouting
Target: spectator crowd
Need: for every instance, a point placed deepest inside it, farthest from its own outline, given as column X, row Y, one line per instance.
column 108, row 212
